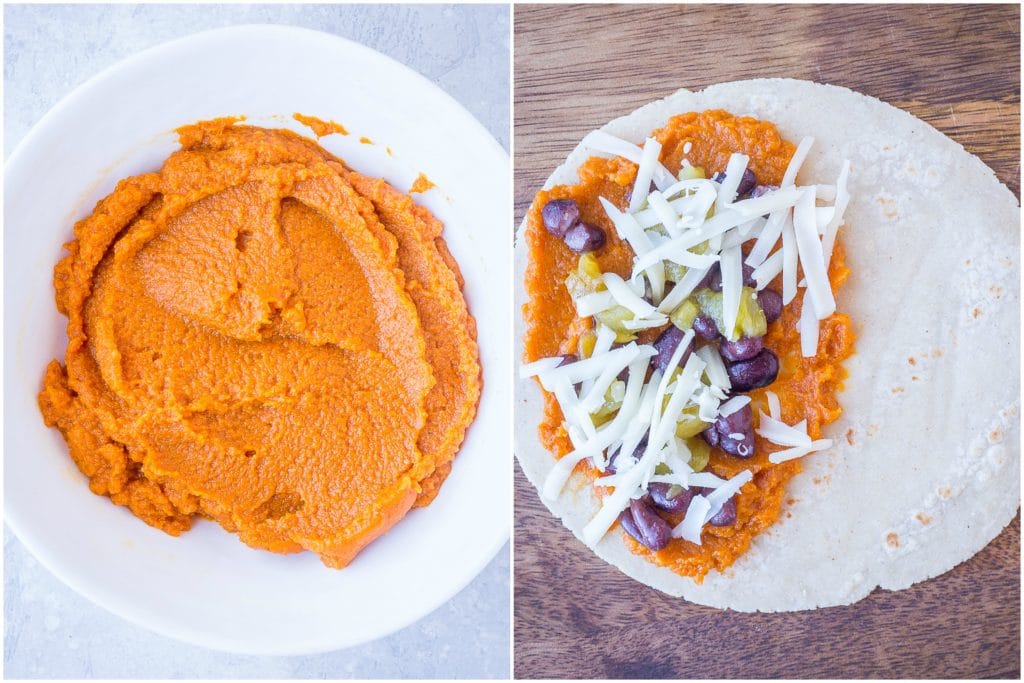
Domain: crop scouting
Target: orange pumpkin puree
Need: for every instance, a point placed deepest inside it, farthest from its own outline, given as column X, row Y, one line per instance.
column 320, row 127
column 259, row 335
column 806, row 387
column 421, row 184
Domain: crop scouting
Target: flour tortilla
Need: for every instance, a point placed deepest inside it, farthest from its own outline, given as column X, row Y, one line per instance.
column 930, row 472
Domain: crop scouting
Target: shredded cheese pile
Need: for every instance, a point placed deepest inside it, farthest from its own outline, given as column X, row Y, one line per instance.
column 664, row 226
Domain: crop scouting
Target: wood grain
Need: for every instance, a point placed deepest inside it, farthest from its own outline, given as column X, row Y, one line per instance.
column 577, row 67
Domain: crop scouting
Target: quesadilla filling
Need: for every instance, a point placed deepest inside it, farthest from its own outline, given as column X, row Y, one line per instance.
column 682, row 323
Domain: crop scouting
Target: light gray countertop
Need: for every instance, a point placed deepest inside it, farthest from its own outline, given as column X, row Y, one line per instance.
column 50, row 631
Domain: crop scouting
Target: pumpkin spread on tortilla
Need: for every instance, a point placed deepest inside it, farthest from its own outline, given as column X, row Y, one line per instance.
column 805, row 385
column 259, row 335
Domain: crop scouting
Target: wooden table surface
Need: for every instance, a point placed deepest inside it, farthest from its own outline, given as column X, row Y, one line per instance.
column 957, row 67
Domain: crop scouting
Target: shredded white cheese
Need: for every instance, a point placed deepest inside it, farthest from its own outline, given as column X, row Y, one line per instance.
column 811, row 257
column 645, row 173
column 799, row 451
column 733, row 404
column 782, row 434
column 696, row 515
column 732, row 288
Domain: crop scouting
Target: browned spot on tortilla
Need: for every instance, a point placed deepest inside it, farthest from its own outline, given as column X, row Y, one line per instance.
column 923, row 518
column 789, row 515
column 816, row 480
column 888, row 205
column 872, row 430
column 849, row 436
column 996, row 435
column 996, row 289
column 897, row 390
column 912, row 360
column 945, row 492
column 791, row 501
column 914, row 378
column 976, row 312
column 937, row 353
column 366, row 140
column 967, row 262
column 893, row 540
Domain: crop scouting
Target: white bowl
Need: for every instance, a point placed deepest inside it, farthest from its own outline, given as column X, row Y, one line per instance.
column 206, row 587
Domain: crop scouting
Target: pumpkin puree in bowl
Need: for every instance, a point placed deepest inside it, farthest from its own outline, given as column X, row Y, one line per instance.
column 259, row 335
column 806, row 387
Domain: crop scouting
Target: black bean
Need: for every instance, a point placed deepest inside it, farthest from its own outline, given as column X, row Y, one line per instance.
column 705, row 328
column 713, row 280
column 661, row 498
column 584, row 237
column 666, row 346
column 771, row 303
column 650, row 189
column 741, row 448
column 741, row 349
column 759, row 371
column 747, row 182
column 559, row 215
column 654, row 531
column 726, row 516
column 748, row 276
column 610, row 467
column 739, row 422
column 762, row 189
column 629, row 526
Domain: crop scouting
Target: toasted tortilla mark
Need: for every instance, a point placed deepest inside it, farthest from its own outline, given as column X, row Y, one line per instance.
column 945, row 492
column 898, row 390
column 976, row 312
column 996, row 435
column 912, row 361
column 923, row 518
column 888, row 205
column 849, row 436
column 892, row 539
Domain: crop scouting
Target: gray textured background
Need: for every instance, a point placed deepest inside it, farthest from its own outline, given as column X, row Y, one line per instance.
column 51, row 632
